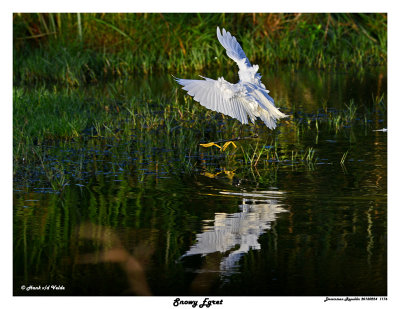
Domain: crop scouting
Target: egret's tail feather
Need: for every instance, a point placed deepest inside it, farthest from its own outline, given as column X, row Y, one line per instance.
column 271, row 116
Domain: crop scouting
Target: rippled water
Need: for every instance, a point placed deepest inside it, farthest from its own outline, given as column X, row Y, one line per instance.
column 125, row 227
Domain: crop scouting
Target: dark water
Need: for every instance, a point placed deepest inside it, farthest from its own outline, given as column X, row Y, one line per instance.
column 138, row 228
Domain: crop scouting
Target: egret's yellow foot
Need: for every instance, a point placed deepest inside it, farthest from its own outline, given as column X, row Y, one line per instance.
column 211, row 175
column 227, row 144
column 210, row 145
column 223, row 148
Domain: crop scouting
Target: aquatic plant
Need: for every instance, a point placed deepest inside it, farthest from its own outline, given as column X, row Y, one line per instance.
column 166, row 129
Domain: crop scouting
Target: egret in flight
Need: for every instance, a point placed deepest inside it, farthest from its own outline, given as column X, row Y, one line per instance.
column 246, row 99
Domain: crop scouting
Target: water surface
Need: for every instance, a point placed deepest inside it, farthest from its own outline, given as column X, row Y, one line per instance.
column 134, row 220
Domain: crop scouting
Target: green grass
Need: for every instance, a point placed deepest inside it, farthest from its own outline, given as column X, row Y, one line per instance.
column 76, row 49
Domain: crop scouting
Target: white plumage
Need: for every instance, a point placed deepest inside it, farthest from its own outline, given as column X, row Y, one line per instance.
column 247, row 99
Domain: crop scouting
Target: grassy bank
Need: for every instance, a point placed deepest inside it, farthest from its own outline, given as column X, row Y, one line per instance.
column 75, row 49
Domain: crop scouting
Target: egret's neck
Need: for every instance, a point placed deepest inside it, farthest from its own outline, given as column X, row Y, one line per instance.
column 248, row 74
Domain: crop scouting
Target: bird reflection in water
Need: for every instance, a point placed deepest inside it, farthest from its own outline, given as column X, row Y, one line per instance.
column 224, row 241
column 235, row 234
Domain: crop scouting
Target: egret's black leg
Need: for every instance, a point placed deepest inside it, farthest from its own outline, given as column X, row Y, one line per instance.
column 255, row 129
column 241, row 131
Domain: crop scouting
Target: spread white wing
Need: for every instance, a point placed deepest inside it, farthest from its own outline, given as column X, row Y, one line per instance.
column 233, row 48
column 220, row 96
column 248, row 98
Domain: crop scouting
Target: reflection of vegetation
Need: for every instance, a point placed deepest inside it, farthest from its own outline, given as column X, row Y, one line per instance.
column 48, row 242
column 327, row 227
column 75, row 49
column 113, row 251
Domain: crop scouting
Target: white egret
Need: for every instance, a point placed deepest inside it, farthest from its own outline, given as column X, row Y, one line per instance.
column 248, row 98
